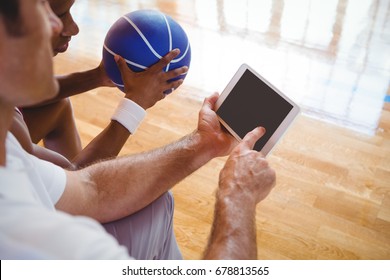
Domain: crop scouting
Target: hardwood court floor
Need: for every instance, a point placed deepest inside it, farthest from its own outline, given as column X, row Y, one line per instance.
column 332, row 198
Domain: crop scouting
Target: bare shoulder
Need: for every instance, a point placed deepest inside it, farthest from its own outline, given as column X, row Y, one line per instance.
column 20, row 131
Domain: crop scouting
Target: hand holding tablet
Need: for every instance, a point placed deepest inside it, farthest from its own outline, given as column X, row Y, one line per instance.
column 249, row 101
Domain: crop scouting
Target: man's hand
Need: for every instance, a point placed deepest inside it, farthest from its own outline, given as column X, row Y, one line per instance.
column 146, row 88
column 245, row 180
column 246, row 176
column 104, row 80
column 211, row 131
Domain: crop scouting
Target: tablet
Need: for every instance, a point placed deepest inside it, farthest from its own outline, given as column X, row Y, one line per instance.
column 249, row 101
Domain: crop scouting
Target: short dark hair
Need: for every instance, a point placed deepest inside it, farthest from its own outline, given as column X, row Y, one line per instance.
column 9, row 11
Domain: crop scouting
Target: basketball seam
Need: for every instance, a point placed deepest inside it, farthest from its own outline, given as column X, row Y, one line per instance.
column 143, row 66
column 143, row 37
column 169, row 38
column 181, row 57
column 151, row 47
column 127, row 61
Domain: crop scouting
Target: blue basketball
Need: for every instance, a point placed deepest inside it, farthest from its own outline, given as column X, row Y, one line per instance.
column 142, row 38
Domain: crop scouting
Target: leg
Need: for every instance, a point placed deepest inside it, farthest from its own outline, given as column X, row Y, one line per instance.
column 148, row 234
column 55, row 125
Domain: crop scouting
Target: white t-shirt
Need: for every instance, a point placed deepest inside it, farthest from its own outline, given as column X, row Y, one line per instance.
column 30, row 227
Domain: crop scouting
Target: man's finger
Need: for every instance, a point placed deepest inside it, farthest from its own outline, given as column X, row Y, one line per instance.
column 165, row 60
column 121, row 63
column 210, row 101
column 176, row 72
column 252, row 137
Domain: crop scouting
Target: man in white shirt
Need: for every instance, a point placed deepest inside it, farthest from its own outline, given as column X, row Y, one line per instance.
column 51, row 213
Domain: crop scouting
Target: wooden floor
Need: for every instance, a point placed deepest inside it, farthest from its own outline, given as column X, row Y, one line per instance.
column 332, row 198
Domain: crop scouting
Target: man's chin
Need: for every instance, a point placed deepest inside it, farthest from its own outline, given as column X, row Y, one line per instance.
column 57, row 51
column 61, row 49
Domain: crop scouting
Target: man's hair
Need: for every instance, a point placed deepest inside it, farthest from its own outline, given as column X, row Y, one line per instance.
column 9, row 13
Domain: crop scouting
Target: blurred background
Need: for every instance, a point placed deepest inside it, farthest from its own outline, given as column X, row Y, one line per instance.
column 332, row 57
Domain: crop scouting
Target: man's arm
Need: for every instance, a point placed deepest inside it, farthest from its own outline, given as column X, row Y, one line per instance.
column 116, row 188
column 147, row 90
column 245, row 180
column 144, row 88
column 79, row 82
column 107, row 144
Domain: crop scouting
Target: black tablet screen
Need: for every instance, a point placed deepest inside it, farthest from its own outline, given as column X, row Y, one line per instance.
column 253, row 103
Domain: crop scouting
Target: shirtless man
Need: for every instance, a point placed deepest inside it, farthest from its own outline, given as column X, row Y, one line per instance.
column 52, row 121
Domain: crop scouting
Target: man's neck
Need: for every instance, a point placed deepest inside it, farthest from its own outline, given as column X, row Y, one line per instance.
column 6, row 116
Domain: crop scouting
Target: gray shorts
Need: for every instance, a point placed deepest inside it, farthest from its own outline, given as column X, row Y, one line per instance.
column 148, row 234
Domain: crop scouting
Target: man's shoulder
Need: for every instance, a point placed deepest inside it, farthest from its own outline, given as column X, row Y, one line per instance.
column 20, row 131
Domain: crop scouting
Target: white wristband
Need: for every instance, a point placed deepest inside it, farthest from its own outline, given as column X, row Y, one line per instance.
column 129, row 114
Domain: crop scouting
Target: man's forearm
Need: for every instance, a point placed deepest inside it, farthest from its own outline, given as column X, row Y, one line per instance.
column 76, row 83
column 106, row 145
column 79, row 82
column 116, row 188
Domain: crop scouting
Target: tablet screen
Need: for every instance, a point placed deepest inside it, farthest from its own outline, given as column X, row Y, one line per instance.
column 253, row 103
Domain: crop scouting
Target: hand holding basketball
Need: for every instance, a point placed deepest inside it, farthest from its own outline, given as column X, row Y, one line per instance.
column 143, row 38
column 148, row 87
